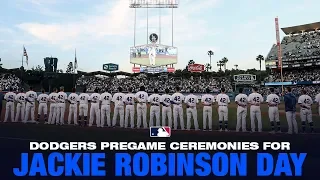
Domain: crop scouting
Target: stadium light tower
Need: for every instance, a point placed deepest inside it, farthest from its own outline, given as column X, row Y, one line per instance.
column 151, row 4
column 210, row 53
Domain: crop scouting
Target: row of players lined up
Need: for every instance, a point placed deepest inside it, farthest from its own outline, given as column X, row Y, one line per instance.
column 124, row 106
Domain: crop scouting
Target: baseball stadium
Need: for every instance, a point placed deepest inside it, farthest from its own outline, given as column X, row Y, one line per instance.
column 293, row 61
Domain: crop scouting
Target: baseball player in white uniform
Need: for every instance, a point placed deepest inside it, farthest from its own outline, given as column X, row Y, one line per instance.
column 118, row 99
column 242, row 101
column 31, row 97
column 154, row 101
column 207, row 102
column 255, row 99
column 43, row 106
column 223, row 101
column 53, row 99
column 191, row 101
column 273, row 101
column 73, row 100
column 21, row 103
column 95, row 108
column 83, row 108
column 152, row 55
column 105, row 99
column 177, row 99
column 9, row 97
column 305, row 102
column 141, row 97
column 166, row 108
column 317, row 99
column 129, row 101
column 62, row 97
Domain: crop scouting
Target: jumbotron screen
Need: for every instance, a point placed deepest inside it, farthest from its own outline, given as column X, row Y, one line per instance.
column 153, row 55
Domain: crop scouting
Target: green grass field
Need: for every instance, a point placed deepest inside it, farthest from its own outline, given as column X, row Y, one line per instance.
column 232, row 116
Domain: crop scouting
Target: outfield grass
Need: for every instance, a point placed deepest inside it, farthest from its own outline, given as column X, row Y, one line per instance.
column 232, row 116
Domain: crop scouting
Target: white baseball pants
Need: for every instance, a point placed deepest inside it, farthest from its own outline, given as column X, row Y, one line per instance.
column 207, row 114
column 94, row 111
column 192, row 112
column 29, row 109
column 255, row 113
column 129, row 113
column 166, row 113
column 20, row 110
column 154, row 112
column 273, row 114
column 241, row 119
column 118, row 109
column 178, row 112
column 105, row 113
column 9, row 109
column 53, row 114
column 142, row 112
column 73, row 110
column 61, row 107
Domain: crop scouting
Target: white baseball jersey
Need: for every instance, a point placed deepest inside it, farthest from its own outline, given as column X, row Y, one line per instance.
column 94, row 98
column 177, row 98
column 62, row 96
column 31, row 96
column 154, row 99
column 10, row 96
column 255, row 98
column 43, row 98
column 317, row 99
column 105, row 98
column 273, row 99
column 21, row 97
column 73, row 98
column 207, row 99
column 53, row 97
column 223, row 99
column 129, row 99
column 141, row 96
column 242, row 99
column 118, row 99
column 191, row 100
column 305, row 100
column 83, row 98
column 166, row 99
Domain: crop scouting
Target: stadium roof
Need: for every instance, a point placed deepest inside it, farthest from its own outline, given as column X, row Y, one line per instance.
column 301, row 28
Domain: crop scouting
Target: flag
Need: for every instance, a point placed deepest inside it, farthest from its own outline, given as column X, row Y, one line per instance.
column 25, row 54
column 75, row 60
column 164, row 131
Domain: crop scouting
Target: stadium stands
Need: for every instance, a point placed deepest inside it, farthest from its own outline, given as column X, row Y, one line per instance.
column 9, row 80
column 198, row 84
column 304, row 45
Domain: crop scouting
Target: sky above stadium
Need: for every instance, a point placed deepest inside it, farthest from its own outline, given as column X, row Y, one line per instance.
column 102, row 30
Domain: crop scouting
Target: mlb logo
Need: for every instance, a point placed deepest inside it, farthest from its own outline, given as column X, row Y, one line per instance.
column 160, row 131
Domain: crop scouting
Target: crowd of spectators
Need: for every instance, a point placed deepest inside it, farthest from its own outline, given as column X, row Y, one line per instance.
column 186, row 84
column 312, row 91
column 304, row 45
column 295, row 75
column 8, row 81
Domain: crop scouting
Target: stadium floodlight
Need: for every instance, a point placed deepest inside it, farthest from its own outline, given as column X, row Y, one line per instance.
column 154, row 3
column 210, row 53
column 148, row 4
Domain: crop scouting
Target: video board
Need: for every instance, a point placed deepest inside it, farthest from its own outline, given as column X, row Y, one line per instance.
column 153, row 55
